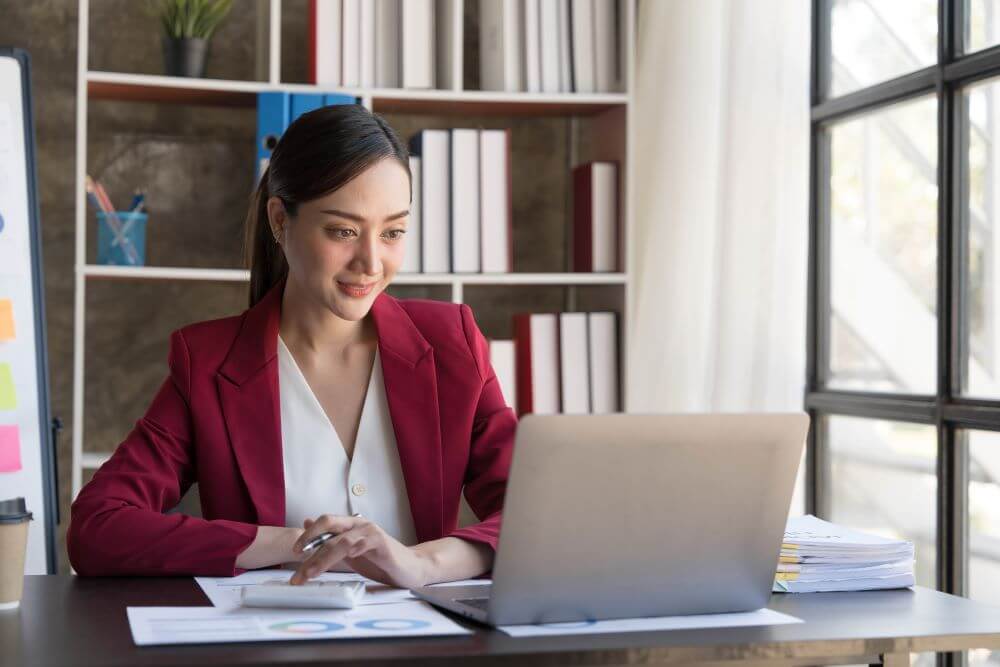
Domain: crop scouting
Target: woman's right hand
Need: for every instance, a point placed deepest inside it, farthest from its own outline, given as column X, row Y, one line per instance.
column 270, row 548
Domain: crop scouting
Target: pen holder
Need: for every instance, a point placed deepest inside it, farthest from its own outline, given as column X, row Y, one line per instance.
column 122, row 244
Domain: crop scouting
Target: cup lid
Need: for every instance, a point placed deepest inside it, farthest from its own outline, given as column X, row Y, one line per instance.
column 14, row 511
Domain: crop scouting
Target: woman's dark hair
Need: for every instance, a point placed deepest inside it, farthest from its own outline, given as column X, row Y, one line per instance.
column 318, row 153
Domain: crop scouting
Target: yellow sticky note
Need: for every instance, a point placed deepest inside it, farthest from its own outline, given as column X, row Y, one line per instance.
column 8, row 400
column 6, row 320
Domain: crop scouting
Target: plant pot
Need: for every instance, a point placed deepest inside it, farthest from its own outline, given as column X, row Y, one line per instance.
column 185, row 56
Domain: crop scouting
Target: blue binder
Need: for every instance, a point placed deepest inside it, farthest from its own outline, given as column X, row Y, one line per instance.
column 334, row 98
column 303, row 102
column 272, row 119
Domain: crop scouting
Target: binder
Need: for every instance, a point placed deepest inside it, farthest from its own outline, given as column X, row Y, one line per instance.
column 433, row 148
column 331, row 99
column 495, row 200
column 595, row 217
column 465, row 201
column 536, row 348
column 324, row 42
column 414, row 238
column 502, row 360
column 602, row 340
column 303, row 103
column 574, row 366
column 272, row 119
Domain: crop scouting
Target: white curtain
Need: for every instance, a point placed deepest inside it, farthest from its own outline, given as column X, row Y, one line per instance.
column 721, row 138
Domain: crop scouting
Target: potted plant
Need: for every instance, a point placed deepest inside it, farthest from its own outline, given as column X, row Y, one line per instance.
column 187, row 27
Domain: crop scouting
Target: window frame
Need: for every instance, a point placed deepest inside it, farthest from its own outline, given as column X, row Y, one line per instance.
column 947, row 409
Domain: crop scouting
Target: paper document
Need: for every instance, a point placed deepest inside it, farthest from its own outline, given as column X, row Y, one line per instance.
column 817, row 555
column 211, row 625
column 759, row 617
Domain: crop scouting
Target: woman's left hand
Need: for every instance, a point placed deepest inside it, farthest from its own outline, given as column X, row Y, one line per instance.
column 365, row 547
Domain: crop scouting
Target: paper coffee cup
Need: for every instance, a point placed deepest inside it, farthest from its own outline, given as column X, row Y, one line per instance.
column 14, row 518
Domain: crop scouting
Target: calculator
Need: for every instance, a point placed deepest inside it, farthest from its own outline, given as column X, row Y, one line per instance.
column 279, row 593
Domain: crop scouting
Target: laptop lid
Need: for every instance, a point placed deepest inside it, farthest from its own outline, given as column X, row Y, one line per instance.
column 618, row 516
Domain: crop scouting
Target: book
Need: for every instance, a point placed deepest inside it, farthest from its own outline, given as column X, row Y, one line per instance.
column 605, row 46
column 532, row 47
column 351, row 43
column 448, row 42
column 433, row 147
column 387, row 43
column 414, row 241
column 366, row 43
column 582, row 28
column 465, row 224
column 565, row 37
column 536, row 349
column 502, row 360
column 549, row 49
column 602, row 343
column 595, row 217
column 324, row 39
column 417, row 40
column 500, row 45
column 495, row 201
column 574, row 363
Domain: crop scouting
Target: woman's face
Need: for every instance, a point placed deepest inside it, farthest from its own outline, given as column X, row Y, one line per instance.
column 344, row 248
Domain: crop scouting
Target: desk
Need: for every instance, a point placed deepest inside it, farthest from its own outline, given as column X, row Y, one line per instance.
column 67, row 620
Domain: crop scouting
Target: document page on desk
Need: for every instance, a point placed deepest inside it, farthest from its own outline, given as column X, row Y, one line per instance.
column 759, row 617
column 213, row 625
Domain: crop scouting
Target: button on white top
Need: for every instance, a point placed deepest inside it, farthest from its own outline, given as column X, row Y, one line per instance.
column 319, row 478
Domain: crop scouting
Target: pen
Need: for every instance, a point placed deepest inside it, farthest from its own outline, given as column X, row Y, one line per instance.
column 323, row 538
column 318, row 541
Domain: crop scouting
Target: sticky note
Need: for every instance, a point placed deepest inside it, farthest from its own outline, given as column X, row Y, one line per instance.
column 8, row 401
column 10, row 449
column 6, row 320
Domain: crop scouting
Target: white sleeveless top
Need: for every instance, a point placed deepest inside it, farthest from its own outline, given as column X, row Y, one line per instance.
column 319, row 478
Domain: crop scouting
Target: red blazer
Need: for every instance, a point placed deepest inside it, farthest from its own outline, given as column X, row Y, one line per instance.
column 216, row 421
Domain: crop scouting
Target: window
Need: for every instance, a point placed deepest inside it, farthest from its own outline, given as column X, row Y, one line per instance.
column 904, row 299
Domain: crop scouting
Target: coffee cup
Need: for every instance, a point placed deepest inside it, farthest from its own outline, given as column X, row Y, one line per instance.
column 14, row 518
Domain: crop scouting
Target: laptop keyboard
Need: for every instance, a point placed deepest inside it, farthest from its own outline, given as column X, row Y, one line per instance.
column 482, row 604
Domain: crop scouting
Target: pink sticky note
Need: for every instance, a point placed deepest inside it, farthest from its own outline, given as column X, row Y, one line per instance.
column 10, row 449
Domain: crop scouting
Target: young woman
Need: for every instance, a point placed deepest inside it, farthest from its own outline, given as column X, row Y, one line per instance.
column 327, row 406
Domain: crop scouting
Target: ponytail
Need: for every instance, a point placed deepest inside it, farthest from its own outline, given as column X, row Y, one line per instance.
column 262, row 254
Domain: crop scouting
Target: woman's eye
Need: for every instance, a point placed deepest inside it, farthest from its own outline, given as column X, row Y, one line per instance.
column 341, row 233
column 395, row 234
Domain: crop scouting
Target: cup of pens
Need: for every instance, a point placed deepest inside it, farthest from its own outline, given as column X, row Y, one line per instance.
column 121, row 235
column 121, row 242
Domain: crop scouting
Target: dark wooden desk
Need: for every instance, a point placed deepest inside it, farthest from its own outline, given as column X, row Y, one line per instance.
column 75, row 621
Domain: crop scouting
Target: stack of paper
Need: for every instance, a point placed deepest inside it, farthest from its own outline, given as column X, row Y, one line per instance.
column 818, row 556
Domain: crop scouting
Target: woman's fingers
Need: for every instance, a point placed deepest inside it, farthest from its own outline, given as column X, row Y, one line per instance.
column 354, row 541
column 327, row 523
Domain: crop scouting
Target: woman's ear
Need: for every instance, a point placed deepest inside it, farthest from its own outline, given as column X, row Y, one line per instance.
column 277, row 217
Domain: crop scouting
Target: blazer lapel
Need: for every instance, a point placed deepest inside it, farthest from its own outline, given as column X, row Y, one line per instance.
column 248, row 392
column 411, row 391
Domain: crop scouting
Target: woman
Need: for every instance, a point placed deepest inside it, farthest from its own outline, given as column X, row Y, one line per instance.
column 328, row 406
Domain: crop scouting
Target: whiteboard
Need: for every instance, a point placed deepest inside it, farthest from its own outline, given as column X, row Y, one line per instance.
column 26, row 457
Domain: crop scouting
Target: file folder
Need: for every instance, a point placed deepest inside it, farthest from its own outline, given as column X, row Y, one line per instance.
column 272, row 119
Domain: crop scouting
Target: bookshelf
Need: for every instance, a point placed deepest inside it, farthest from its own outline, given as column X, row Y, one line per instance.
column 587, row 127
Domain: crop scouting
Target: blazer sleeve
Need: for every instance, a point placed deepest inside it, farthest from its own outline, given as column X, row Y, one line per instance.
column 491, row 447
column 117, row 522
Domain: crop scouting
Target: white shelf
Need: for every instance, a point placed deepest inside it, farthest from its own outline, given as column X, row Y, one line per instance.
column 223, row 92
column 240, row 275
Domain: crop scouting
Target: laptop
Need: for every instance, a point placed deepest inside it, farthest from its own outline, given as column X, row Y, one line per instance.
column 624, row 516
